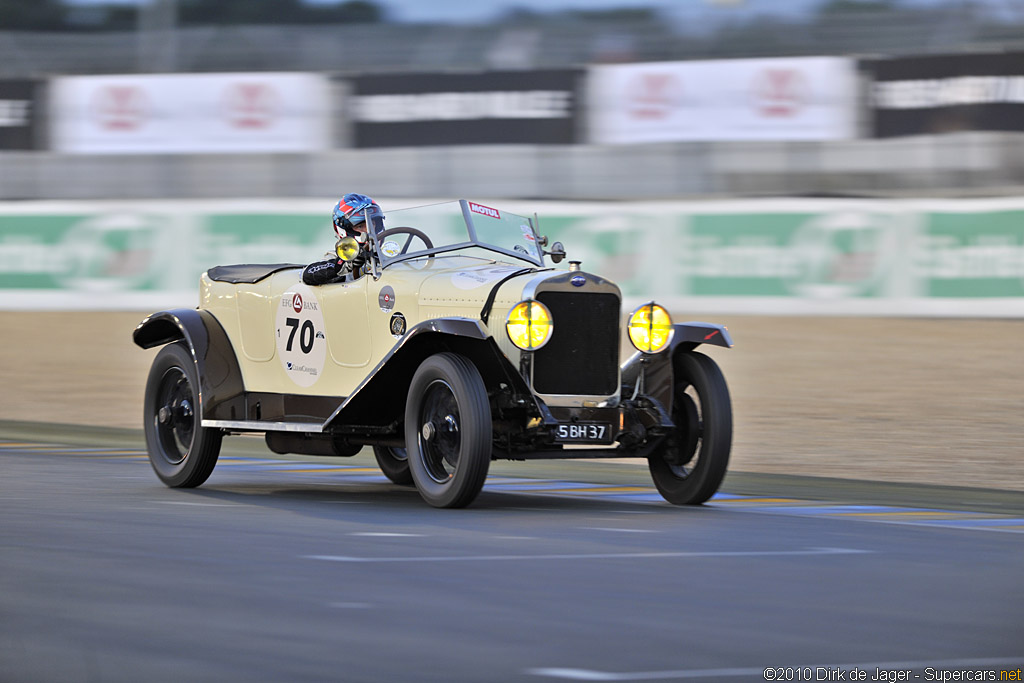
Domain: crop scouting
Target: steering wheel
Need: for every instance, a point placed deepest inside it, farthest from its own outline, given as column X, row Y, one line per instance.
column 411, row 232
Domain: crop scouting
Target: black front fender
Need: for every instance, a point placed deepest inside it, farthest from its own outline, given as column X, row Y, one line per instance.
column 657, row 368
column 221, row 391
column 381, row 396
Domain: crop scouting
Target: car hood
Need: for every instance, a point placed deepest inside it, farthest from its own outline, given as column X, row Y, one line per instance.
column 460, row 280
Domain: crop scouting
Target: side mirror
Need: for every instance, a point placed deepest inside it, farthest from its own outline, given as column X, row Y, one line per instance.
column 557, row 252
column 347, row 248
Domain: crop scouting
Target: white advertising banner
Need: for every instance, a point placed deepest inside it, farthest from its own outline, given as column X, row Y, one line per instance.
column 190, row 113
column 798, row 98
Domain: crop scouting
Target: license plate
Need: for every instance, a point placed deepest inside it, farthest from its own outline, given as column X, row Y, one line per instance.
column 584, row 432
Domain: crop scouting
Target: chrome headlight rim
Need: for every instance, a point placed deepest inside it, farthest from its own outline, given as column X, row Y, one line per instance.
column 654, row 310
column 536, row 311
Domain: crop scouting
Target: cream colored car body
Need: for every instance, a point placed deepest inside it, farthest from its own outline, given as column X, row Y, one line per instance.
column 355, row 321
column 410, row 355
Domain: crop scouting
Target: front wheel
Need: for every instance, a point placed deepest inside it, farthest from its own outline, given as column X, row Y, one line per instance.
column 690, row 467
column 448, row 430
column 182, row 452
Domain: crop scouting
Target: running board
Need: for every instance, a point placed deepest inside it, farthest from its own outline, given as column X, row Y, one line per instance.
column 259, row 426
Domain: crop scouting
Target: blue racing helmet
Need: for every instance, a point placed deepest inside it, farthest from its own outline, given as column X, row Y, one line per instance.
column 350, row 215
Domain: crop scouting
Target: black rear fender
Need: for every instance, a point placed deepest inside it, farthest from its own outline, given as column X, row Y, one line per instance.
column 221, row 392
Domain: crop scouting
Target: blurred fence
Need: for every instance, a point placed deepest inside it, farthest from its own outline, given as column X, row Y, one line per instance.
column 961, row 164
column 350, row 61
column 690, row 31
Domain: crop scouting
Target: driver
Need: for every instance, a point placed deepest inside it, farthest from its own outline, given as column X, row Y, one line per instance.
column 349, row 221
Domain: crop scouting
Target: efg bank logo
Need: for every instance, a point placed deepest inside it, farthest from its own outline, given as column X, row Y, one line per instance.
column 780, row 93
column 296, row 303
column 121, row 108
column 251, row 105
column 654, row 96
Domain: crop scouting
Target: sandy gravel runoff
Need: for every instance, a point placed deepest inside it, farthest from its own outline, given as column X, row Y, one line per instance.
column 906, row 400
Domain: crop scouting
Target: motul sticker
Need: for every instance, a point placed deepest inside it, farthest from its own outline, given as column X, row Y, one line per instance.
column 484, row 210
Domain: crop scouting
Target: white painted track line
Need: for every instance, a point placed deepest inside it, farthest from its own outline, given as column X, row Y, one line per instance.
column 589, row 556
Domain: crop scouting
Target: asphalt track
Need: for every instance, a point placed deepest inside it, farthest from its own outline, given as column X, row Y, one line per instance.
column 306, row 569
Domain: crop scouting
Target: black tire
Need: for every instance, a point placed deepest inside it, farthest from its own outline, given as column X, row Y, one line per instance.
column 448, row 431
column 689, row 469
column 183, row 453
column 394, row 463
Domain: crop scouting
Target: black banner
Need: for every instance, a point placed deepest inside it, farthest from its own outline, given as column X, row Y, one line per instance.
column 506, row 107
column 17, row 114
column 947, row 93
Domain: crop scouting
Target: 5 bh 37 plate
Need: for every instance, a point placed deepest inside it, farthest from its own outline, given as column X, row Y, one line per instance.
column 584, row 432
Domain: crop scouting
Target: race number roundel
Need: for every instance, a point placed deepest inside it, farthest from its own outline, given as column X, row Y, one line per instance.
column 301, row 342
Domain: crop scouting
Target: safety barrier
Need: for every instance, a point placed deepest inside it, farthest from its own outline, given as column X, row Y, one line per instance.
column 786, row 256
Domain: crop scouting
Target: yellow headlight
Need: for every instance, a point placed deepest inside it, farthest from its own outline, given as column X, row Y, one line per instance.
column 529, row 325
column 347, row 248
column 650, row 328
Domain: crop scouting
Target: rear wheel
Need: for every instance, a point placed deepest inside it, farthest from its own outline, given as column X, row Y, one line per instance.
column 182, row 452
column 448, row 430
column 394, row 463
column 690, row 467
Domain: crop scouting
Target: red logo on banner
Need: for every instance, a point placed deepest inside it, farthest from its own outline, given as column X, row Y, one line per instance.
column 250, row 105
column 121, row 107
column 780, row 93
column 655, row 95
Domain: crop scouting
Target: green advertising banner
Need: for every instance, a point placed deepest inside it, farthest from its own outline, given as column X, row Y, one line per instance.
column 858, row 257
column 108, row 255
column 962, row 256
column 810, row 256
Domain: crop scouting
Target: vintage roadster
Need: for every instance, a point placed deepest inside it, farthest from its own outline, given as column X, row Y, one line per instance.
column 454, row 344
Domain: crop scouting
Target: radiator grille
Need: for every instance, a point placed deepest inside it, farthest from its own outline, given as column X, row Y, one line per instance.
column 582, row 356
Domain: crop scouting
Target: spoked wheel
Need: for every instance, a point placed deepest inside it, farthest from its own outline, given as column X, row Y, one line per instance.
column 448, row 431
column 183, row 453
column 690, row 467
column 394, row 463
